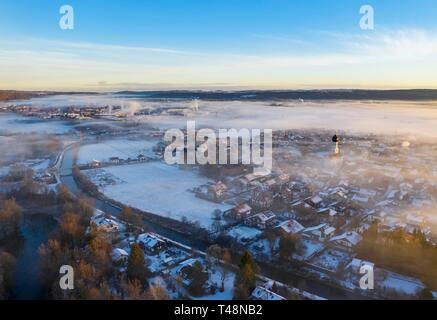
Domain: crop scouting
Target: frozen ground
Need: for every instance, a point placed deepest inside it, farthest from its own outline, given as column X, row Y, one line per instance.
column 310, row 247
column 158, row 188
column 122, row 148
column 261, row 248
column 402, row 284
column 243, row 233
column 331, row 260
column 215, row 277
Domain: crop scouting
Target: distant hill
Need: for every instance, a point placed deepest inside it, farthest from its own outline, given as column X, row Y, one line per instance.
column 416, row 94
column 18, row 95
column 250, row 95
column 14, row 95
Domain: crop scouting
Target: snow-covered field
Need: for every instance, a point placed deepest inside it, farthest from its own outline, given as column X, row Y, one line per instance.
column 121, row 148
column 37, row 165
column 331, row 260
column 243, row 233
column 160, row 189
column 401, row 283
column 310, row 247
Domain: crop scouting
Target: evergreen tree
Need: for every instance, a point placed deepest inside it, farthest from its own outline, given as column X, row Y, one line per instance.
column 136, row 268
column 245, row 280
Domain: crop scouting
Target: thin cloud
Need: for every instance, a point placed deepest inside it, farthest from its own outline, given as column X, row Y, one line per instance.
column 347, row 54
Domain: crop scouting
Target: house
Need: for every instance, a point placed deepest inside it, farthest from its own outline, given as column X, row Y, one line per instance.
column 261, row 293
column 360, row 199
column 150, row 243
column 119, row 255
column 338, row 193
column 261, row 220
column 347, row 239
column 187, row 272
column 321, row 232
column 332, row 212
column 262, row 199
column 239, row 212
column 114, row 160
column 290, row 227
column 95, row 164
column 106, row 224
column 315, row 201
column 141, row 158
column 217, row 191
column 356, row 264
column 269, row 184
column 302, row 208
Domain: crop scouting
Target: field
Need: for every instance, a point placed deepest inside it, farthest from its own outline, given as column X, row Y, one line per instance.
column 121, row 148
column 158, row 188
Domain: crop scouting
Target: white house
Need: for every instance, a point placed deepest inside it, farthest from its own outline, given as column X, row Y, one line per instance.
column 261, row 220
column 150, row 242
column 321, row 232
column 290, row 227
column 106, row 224
column 347, row 239
column 356, row 264
column 240, row 212
column 119, row 255
column 315, row 201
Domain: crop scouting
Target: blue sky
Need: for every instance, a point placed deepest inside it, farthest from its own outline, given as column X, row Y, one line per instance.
column 217, row 44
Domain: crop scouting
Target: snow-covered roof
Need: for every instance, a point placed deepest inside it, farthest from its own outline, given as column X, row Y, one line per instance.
column 291, row 226
column 351, row 237
column 242, row 208
column 360, row 198
column 316, row 199
column 329, row 230
column 356, row 264
column 262, row 293
column 104, row 222
column 149, row 240
column 311, row 229
column 265, row 216
column 118, row 253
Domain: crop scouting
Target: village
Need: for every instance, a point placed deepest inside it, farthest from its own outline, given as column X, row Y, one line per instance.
column 307, row 217
column 325, row 209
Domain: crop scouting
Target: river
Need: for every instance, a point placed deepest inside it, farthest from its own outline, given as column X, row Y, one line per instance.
column 35, row 231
